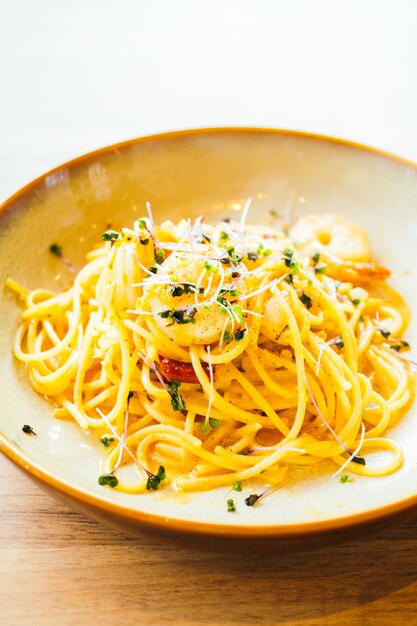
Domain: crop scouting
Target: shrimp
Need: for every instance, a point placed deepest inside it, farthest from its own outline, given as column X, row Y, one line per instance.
column 342, row 244
column 331, row 235
column 190, row 284
column 358, row 273
column 274, row 320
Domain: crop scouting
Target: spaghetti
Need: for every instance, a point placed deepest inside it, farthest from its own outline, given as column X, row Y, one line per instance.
column 209, row 355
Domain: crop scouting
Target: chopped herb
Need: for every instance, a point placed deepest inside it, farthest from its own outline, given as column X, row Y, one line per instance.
column 204, row 428
column 359, row 460
column 144, row 242
column 179, row 316
column 315, row 258
column 28, row 429
column 210, row 267
column 231, row 505
column 232, row 292
column 338, row 342
column 177, row 402
column 262, row 252
column 240, row 334
column 153, row 269
column 181, row 289
column 244, row 452
column 362, row 318
column 142, row 224
column 344, row 478
column 309, row 282
column 252, row 256
column 154, row 480
column 205, row 238
column 108, row 480
column 356, row 301
column 306, row 300
column 232, row 257
column 55, row 249
column 224, row 236
column 320, row 269
column 290, row 261
column 405, row 344
column 106, row 441
column 384, row 332
column 227, row 336
column 289, row 279
column 111, row 235
column 237, row 485
column 252, row 499
column 159, row 256
column 396, row 347
column 237, row 313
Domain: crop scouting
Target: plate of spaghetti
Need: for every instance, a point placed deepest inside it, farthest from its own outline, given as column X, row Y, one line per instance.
column 209, row 333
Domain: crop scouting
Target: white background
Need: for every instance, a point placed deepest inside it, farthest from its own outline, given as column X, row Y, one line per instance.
column 78, row 75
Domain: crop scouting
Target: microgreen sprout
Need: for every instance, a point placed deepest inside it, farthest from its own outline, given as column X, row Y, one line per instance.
column 106, row 441
column 108, row 480
column 184, row 288
column 252, row 499
column 206, row 427
column 28, row 429
column 240, row 334
column 154, row 480
column 179, row 316
column 344, row 478
column 55, row 249
column 231, row 505
column 306, row 300
column 177, row 402
column 227, row 336
column 111, row 235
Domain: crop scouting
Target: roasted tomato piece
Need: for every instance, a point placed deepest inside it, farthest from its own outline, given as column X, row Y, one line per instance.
column 177, row 370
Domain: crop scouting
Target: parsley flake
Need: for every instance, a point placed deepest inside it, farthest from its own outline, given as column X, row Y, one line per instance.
column 237, row 485
column 344, row 478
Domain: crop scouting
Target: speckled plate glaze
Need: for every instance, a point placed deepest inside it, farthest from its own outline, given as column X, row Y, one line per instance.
column 189, row 173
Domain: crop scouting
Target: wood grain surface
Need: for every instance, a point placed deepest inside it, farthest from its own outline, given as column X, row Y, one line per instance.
column 59, row 568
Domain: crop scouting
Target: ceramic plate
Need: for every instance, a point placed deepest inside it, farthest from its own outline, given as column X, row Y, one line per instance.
column 189, row 173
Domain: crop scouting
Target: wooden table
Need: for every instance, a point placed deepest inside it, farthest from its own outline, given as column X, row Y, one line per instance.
column 58, row 568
